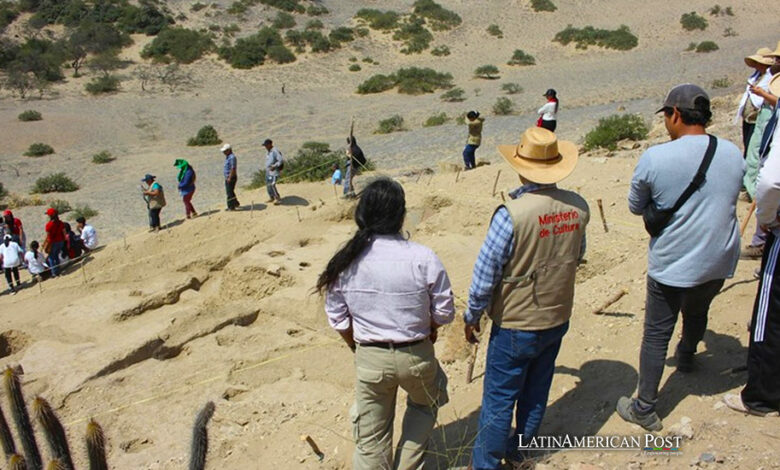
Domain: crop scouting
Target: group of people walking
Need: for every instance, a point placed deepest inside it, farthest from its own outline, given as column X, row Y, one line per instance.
column 387, row 296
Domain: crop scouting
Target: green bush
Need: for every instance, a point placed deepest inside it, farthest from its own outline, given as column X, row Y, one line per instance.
column 621, row 39
column 8, row 13
column 283, row 20
column 252, row 50
column 207, row 135
column 718, row 11
column 30, row 115
column 440, row 51
column 3, row 191
column 318, row 42
column 729, row 33
column 376, row 19
column 415, row 37
column 724, row 82
column 237, row 8
column 436, row 120
column 691, row 46
column 494, row 30
column 410, row 81
column 317, row 10
column 54, row 183
column 394, row 123
column 376, row 84
column 197, row 7
column 707, row 46
column 341, row 34
column 354, row 68
column 83, row 210
column 181, row 45
column 286, row 5
column 520, row 57
column 454, row 95
column 103, row 84
column 503, row 106
column 461, row 119
column 486, row 71
column 60, row 205
column 610, row 130
column 314, row 24
column 439, row 17
column 543, row 5
column 38, row 150
column 103, row 157
column 691, row 21
column 280, row 54
column 512, row 88
column 368, row 60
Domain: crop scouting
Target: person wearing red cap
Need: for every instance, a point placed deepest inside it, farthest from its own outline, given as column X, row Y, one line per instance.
column 14, row 228
column 55, row 240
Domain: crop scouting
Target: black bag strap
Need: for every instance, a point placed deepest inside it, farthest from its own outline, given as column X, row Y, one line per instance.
column 700, row 176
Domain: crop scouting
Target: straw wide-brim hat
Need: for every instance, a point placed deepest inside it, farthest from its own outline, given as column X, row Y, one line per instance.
column 776, row 52
column 760, row 57
column 774, row 85
column 540, row 157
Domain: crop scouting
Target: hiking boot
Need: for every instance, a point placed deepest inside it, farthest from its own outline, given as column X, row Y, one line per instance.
column 650, row 421
column 752, row 252
column 684, row 361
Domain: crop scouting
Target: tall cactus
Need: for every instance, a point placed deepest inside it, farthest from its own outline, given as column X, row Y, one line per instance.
column 96, row 446
column 6, row 438
column 13, row 388
column 200, row 438
column 17, row 462
column 55, row 433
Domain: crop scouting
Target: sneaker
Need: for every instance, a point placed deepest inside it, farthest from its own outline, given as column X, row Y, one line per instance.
column 625, row 408
column 684, row 361
column 752, row 252
column 734, row 401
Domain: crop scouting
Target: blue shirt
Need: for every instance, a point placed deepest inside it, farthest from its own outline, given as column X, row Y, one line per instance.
column 336, row 179
column 230, row 164
column 701, row 242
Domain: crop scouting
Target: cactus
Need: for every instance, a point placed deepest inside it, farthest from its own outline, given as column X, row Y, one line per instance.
column 200, row 438
column 17, row 462
column 55, row 433
column 6, row 437
column 22, row 419
column 56, row 465
column 96, row 446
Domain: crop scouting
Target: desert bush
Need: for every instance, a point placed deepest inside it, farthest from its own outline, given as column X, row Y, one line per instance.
column 230, row 29
column 354, row 68
column 438, row 17
column 612, row 129
column 376, row 84
column 252, row 50
column 440, row 51
column 280, row 54
column 237, row 8
column 283, row 20
column 707, row 46
column 314, row 24
column 54, row 183
column 30, row 115
column 394, row 123
column 410, row 81
column 207, row 135
column 503, row 106
column 691, row 46
column 197, row 6
column 178, row 44
column 718, row 11
column 82, row 210
column 60, row 205
column 512, row 88
column 486, row 71
column 103, row 84
column 317, row 41
column 286, row 5
column 691, row 21
column 454, row 95
column 8, row 13
column 361, row 32
column 38, row 150
column 729, row 33
column 461, row 119
column 543, row 5
column 341, row 34
column 376, row 19
column 494, row 30
column 414, row 35
column 368, row 60
column 436, row 120
column 353, row 59
column 103, row 156
column 724, row 82
column 621, row 39
column 520, row 57
column 317, row 10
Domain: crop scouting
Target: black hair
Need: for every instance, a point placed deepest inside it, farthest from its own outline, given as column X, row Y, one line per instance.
column 67, row 227
column 380, row 211
column 472, row 115
column 81, row 220
column 9, row 220
column 34, row 245
column 700, row 115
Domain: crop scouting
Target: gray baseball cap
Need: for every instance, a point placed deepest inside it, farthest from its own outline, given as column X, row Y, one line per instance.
column 684, row 97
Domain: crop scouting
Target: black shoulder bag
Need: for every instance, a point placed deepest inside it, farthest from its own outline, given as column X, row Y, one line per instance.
column 655, row 219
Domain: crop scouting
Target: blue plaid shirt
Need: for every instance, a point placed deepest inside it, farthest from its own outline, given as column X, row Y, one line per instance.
column 494, row 255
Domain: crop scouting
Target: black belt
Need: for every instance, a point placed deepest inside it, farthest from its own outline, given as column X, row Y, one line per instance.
column 391, row 345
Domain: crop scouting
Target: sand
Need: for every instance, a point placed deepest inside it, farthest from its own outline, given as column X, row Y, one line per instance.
column 220, row 307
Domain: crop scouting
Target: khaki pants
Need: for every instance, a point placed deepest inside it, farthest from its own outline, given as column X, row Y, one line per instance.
column 379, row 374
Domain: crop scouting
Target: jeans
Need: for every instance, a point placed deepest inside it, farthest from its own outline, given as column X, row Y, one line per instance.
column 349, row 175
column 662, row 305
column 15, row 272
column 469, row 157
column 270, row 186
column 230, row 190
column 189, row 209
column 54, row 257
column 518, row 374
column 154, row 217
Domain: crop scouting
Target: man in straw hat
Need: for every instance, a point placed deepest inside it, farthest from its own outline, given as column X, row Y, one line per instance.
column 752, row 102
column 524, row 280
column 761, row 395
column 697, row 247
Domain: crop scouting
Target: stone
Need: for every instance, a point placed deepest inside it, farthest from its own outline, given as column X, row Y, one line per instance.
column 707, row 457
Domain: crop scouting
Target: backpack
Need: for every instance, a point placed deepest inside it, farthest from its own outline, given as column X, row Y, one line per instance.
column 280, row 165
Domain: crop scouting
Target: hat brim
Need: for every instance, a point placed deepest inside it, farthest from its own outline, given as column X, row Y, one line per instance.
column 774, row 85
column 539, row 171
column 751, row 60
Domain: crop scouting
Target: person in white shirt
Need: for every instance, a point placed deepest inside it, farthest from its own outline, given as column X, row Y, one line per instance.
column 548, row 114
column 36, row 262
column 12, row 254
column 751, row 103
column 88, row 234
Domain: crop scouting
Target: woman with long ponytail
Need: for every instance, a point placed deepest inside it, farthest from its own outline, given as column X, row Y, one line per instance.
column 548, row 114
column 387, row 296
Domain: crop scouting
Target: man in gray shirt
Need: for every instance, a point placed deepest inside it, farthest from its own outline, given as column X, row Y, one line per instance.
column 273, row 163
column 696, row 251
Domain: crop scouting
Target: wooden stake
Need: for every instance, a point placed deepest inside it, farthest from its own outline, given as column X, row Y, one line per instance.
column 298, row 210
column 502, row 196
column 84, row 271
column 306, row 438
column 601, row 212
column 457, row 175
column 747, row 219
column 495, row 183
column 419, row 175
column 612, row 300
column 40, row 285
column 472, row 360
column 124, row 238
column 252, row 209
